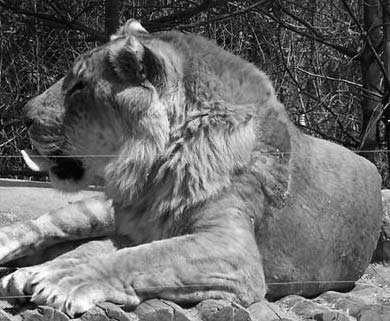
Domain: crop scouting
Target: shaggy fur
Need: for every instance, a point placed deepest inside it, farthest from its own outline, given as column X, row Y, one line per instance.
column 205, row 173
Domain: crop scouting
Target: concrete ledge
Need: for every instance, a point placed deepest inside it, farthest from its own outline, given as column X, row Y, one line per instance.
column 21, row 200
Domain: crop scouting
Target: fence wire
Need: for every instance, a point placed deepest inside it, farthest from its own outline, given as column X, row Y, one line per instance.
column 274, row 153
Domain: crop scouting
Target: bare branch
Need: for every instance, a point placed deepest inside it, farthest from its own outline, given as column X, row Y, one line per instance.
column 308, row 26
column 374, row 118
column 359, row 86
column 96, row 34
column 327, row 137
column 168, row 21
column 319, row 100
column 312, row 34
column 221, row 17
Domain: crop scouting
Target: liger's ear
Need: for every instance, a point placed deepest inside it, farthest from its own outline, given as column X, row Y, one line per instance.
column 134, row 62
column 131, row 27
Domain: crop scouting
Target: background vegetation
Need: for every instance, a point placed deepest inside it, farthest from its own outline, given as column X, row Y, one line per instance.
column 328, row 59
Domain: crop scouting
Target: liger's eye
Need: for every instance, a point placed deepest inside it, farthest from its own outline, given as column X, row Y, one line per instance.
column 78, row 86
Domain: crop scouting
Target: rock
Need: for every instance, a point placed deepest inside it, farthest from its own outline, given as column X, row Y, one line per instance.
column 115, row 313
column 310, row 310
column 374, row 286
column 215, row 310
column 242, row 314
column 382, row 251
column 94, row 314
column 386, row 211
column 220, row 310
column 265, row 311
column 43, row 313
column 374, row 313
column 368, row 301
column 154, row 310
column 208, row 310
column 181, row 314
column 346, row 303
column 4, row 316
column 32, row 315
column 330, row 316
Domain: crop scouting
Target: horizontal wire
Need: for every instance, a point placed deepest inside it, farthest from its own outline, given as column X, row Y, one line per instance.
column 15, row 296
column 268, row 284
column 59, row 156
column 311, row 282
column 276, row 153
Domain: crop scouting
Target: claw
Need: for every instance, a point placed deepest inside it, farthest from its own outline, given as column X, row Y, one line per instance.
column 52, row 299
column 12, row 287
column 79, row 306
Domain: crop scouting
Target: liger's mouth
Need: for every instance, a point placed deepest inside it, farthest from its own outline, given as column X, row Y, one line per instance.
column 68, row 168
column 63, row 167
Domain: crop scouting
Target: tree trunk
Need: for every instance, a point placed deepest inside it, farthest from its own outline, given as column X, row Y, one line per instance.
column 371, row 77
column 386, row 60
column 112, row 11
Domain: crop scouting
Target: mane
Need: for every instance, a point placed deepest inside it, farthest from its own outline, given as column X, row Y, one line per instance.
column 189, row 154
column 193, row 166
column 210, row 145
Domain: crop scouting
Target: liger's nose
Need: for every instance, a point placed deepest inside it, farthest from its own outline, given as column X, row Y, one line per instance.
column 28, row 122
column 28, row 111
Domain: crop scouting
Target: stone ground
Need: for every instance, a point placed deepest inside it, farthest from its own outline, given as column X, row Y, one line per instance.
column 368, row 301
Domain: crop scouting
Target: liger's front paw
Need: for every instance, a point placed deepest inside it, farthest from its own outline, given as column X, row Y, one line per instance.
column 72, row 288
